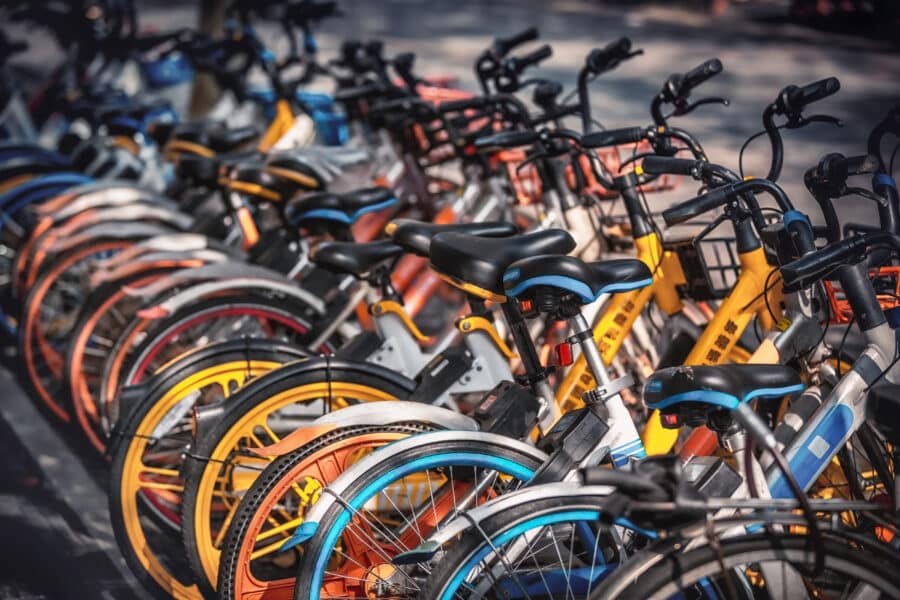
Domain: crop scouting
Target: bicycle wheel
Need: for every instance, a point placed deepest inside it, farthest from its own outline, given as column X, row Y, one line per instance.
column 852, row 569
column 147, row 344
column 49, row 315
column 536, row 547
column 400, row 499
column 106, row 312
column 146, row 450
column 251, row 565
column 221, row 466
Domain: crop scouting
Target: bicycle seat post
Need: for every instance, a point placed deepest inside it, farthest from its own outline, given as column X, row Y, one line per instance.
column 584, row 337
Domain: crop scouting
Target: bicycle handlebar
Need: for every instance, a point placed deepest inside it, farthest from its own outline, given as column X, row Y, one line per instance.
column 508, row 139
column 808, row 269
column 613, row 137
column 699, row 74
column 518, row 64
column 678, row 87
column 602, row 59
column 502, row 46
column 659, row 165
column 794, row 99
column 690, row 209
column 720, row 196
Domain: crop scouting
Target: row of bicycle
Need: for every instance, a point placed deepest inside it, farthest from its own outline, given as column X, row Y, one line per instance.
column 410, row 365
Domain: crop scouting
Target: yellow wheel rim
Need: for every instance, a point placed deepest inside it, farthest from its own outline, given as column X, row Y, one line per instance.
column 244, row 431
column 225, row 375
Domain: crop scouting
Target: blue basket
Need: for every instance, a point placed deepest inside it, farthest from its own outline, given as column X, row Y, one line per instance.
column 167, row 71
column 331, row 126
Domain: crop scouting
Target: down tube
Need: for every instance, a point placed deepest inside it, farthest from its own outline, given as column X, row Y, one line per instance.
column 713, row 347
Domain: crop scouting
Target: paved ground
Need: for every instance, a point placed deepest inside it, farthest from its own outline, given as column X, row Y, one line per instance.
column 57, row 541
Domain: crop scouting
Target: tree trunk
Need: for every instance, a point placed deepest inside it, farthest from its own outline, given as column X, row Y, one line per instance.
column 205, row 92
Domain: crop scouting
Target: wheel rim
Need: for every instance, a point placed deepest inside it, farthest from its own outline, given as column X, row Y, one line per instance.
column 262, row 536
column 369, row 544
column 134, row 485
column 212, row 484
column 36, row 345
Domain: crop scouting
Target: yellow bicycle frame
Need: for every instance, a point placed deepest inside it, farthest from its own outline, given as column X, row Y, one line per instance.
column 747, row 298
column 280, row 125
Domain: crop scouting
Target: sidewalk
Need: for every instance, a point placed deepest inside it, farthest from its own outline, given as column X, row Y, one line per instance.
column 58, row 543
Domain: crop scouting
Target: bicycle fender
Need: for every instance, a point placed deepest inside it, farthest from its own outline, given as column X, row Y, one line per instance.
column 331, row 494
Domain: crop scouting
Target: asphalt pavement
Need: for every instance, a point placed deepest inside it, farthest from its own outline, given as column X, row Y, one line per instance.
column 57, row 540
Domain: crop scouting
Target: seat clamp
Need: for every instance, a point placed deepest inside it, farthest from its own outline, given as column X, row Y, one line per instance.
column 602, row 394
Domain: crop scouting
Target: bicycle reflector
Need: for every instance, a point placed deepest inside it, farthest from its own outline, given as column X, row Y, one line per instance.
column 563, row 355
column 670, row 420
column 527, row 308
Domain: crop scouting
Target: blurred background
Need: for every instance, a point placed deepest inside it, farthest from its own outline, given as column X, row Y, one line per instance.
column 763, row 44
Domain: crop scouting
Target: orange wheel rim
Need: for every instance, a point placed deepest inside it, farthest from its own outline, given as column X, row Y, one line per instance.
column 34, row 335
column 321, row 467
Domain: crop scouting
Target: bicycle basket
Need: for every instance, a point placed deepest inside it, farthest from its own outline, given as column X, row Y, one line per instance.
column 710, row 265
column 885, row 280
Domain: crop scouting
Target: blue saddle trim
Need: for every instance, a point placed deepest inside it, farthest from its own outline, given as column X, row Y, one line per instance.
column 773, row 392
column 581, row 289
column 883, row 179
column 729, row 401
column 332, row 214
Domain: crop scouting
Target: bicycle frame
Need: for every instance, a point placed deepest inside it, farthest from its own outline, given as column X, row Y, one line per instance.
column 746, row 299
column 841, row 414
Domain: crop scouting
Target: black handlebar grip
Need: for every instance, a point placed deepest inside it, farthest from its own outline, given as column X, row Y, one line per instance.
column 507, row 139
column 807, row 269
column 698, row 75
column 600, row 58
column 521, row 62
column 613, row 137
column 862, row 165
column 658, row 165
column 502, row 46
column 458, row 105
column 799, row 97
column 685, row 211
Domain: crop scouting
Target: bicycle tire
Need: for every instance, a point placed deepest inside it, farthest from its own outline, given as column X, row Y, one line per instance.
column 287, row 386
column 122, row 367
column 132, row 437
column 677, row 571
column 457, row 451
column 237, row 576
column 452, row 570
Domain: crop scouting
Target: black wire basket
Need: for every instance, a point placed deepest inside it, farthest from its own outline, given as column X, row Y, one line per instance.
column 710, row 264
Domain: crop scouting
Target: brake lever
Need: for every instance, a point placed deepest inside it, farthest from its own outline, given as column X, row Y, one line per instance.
column 797, row 121
column 682, row 107
column 618, row 61
column 531, row 159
